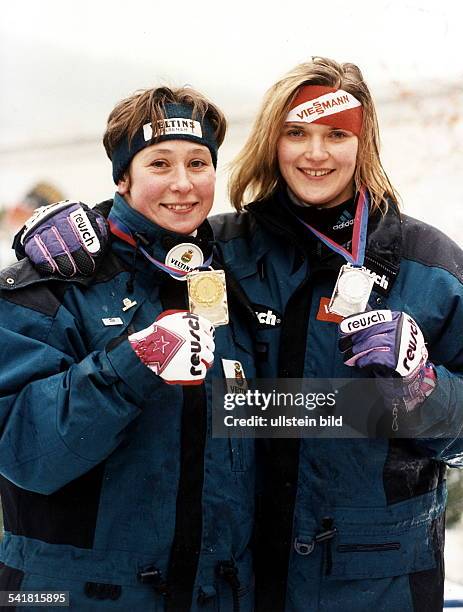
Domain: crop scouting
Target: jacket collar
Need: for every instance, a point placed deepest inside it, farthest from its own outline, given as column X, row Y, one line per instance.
column 160, row 241
column 384, row 239
column 156, row 240
column 242, row 240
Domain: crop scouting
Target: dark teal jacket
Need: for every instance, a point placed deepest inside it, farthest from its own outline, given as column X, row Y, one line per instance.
column 112, row 486
column 356, row 524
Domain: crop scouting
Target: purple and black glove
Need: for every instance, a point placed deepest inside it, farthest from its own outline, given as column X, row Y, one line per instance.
column 391, row 346
column 67, row 238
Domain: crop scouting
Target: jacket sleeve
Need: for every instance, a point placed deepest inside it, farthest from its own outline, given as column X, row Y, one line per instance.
column 62, row 412
column 438, row 423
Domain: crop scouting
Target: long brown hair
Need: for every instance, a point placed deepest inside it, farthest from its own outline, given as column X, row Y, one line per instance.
column 254, row 172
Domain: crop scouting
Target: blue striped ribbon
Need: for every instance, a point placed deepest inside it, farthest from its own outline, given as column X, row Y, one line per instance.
column 359, row 232
column 120, row 230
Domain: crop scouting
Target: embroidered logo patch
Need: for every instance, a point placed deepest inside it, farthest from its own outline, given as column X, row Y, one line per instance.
column 324, row 314
column 267, row 317
column 234, row 375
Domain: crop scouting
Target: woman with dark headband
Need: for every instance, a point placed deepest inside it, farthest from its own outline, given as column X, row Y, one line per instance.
column 112, row 487
column 346, row 286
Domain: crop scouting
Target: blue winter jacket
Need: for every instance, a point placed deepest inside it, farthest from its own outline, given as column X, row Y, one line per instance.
column 112, row 486
column 355, row 524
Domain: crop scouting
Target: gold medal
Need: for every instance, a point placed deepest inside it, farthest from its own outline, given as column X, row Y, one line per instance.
column 207, row 295
column 206, row 290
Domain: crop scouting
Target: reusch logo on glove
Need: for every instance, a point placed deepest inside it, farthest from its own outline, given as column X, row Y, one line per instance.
column 87, row 233
column 365, row 320
column 412, row 346
column 195, row 345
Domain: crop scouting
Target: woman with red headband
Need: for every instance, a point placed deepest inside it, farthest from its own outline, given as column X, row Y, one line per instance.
column 350, row 524
column 346, row 524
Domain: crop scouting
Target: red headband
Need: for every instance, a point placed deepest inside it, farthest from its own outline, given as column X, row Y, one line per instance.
column 328, row 106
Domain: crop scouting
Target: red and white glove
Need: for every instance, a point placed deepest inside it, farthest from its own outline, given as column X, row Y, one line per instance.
column 178, row 347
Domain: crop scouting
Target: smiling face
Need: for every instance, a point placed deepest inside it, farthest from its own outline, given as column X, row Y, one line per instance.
column 172, row 184
column 318, row 162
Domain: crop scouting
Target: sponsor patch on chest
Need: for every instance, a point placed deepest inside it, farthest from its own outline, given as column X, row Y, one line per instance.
column 383, row 275
column 234, row 375
column 109, row 321
column 268, row 317
column 324, row 314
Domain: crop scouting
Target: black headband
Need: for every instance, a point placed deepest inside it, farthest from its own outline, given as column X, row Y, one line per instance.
column 177, row 125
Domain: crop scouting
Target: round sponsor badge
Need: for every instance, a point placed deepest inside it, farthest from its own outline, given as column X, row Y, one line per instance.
column 184, row 257
column 354, row 285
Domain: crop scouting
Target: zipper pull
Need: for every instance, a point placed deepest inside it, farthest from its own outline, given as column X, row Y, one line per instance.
column 326, row 537
column 395, row 415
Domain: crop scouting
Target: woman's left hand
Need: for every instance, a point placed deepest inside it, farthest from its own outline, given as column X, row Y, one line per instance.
column 391, row 345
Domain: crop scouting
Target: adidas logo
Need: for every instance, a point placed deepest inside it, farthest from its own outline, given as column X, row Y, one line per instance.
column 343, row 224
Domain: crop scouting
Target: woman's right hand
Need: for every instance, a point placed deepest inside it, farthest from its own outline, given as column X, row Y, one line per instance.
column 178, row 347
column 67, row 239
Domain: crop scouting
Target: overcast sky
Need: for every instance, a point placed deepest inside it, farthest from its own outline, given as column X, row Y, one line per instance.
column 63, row 64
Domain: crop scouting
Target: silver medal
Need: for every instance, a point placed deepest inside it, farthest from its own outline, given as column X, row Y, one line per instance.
column 351, row 292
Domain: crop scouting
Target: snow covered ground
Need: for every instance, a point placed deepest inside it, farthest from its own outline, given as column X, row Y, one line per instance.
column 453, row 596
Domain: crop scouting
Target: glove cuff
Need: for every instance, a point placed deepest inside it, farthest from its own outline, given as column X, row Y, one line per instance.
column 419, row 385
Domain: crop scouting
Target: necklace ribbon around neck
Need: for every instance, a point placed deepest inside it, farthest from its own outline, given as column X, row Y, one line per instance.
column 119, row 229
column 359, row 232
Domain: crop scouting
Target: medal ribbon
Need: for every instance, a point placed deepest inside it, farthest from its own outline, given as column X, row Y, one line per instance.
column 120, row 230
column 359, row 232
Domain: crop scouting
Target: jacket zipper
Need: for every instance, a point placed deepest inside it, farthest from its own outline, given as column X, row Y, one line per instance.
column 347, row 548
column 381, row 265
